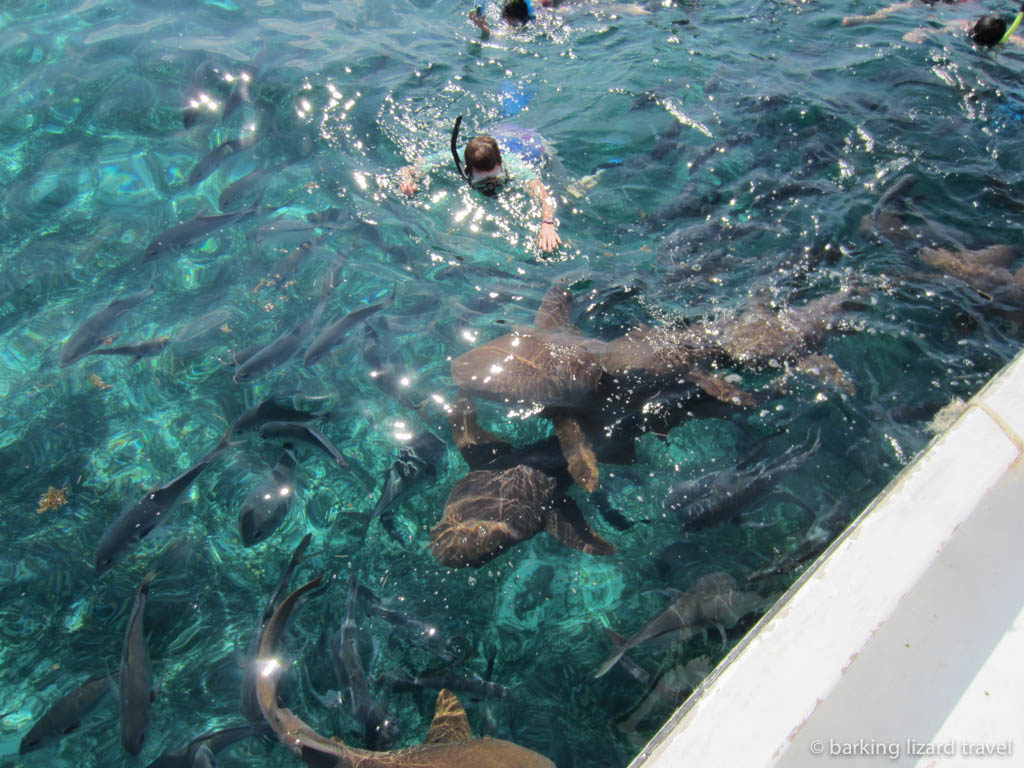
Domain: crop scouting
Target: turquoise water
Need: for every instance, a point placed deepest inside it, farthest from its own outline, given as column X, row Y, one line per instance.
column 735, row 150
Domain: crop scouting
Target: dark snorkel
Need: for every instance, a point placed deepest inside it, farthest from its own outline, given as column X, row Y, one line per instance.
column 455, row 152
column 488, row 190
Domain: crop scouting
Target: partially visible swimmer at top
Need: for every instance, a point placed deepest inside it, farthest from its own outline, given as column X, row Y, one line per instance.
column 516, row 13
column 853, row 21
column 993, row 30
column 988, row 31
column 488, row 171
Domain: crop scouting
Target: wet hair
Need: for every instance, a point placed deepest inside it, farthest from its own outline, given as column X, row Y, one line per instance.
column 988, row 30
column 481, row 154
column 516, row 11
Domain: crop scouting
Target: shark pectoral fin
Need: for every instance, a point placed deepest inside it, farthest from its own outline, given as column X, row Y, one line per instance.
column 475, row 443
column 566, row 523
column 720, row 389
column 555, row 310
column 824, row 369
column 450, row 724
column 578, row 453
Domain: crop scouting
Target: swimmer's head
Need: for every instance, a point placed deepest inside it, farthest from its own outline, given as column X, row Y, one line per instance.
column 517, row 11
column 988, row 30
column 484, row 170
column 482, row 154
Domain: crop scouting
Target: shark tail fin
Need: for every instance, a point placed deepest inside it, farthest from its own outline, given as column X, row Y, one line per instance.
column 618, row 648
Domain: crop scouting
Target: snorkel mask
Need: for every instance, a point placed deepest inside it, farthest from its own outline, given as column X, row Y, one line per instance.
column 486, row 182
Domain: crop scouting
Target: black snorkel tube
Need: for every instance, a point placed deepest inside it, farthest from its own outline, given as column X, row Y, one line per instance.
column 455, row 152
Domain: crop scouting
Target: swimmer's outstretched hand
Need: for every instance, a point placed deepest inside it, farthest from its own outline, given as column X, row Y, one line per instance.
column 406, row 181
column 477, row 17
column 549, row 239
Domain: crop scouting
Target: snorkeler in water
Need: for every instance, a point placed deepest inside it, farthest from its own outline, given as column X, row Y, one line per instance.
column 488, row 171
column 516, row 13
column 993, row 30
column 853, row 21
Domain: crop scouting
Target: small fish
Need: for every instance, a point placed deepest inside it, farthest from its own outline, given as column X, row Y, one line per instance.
column 288, row 430
column 136, row 679
column 194, row 230
column 271, row 409
column 216, row 157
column 286, row 267
column 717, row 496
column 415, row 466
column 203, row 748
column 379, row 729
column 136, row 351
column 66, row 714
column 153, row 509
column 267, row 505
column 93, row 330
column 334, row 333
column 237, row 189
column 385, row 368
column 282, row 349
column 712, row 600
column 420, row 633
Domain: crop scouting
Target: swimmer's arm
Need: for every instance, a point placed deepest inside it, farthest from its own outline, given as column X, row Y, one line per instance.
column 549, row 239
column 477, row 17
column 410, row 174
column 407, row 179
column 853, row 21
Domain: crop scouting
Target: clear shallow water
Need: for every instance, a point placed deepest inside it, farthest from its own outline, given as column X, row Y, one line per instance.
column 752, row 140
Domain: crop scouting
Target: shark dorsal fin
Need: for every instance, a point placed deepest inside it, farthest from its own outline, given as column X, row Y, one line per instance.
column 450, row 724
column 555, row 311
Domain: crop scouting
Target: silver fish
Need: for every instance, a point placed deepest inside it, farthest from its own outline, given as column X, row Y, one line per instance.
column 136, row 679
column 283, row 348
column 203, row 748
column 216, row 157
column 93, row 330
column 283, row 270
column 420, row 633
column 712, row 600
column 153, row 509
column 333, row 333
column 415, row 466
column 287, row 430
column 66, row 714
column 271, row 409
column 717, row 496
column 240, row 187
column 193, row 231
column 267, row 505
column 136, row 351
column 379, row 729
